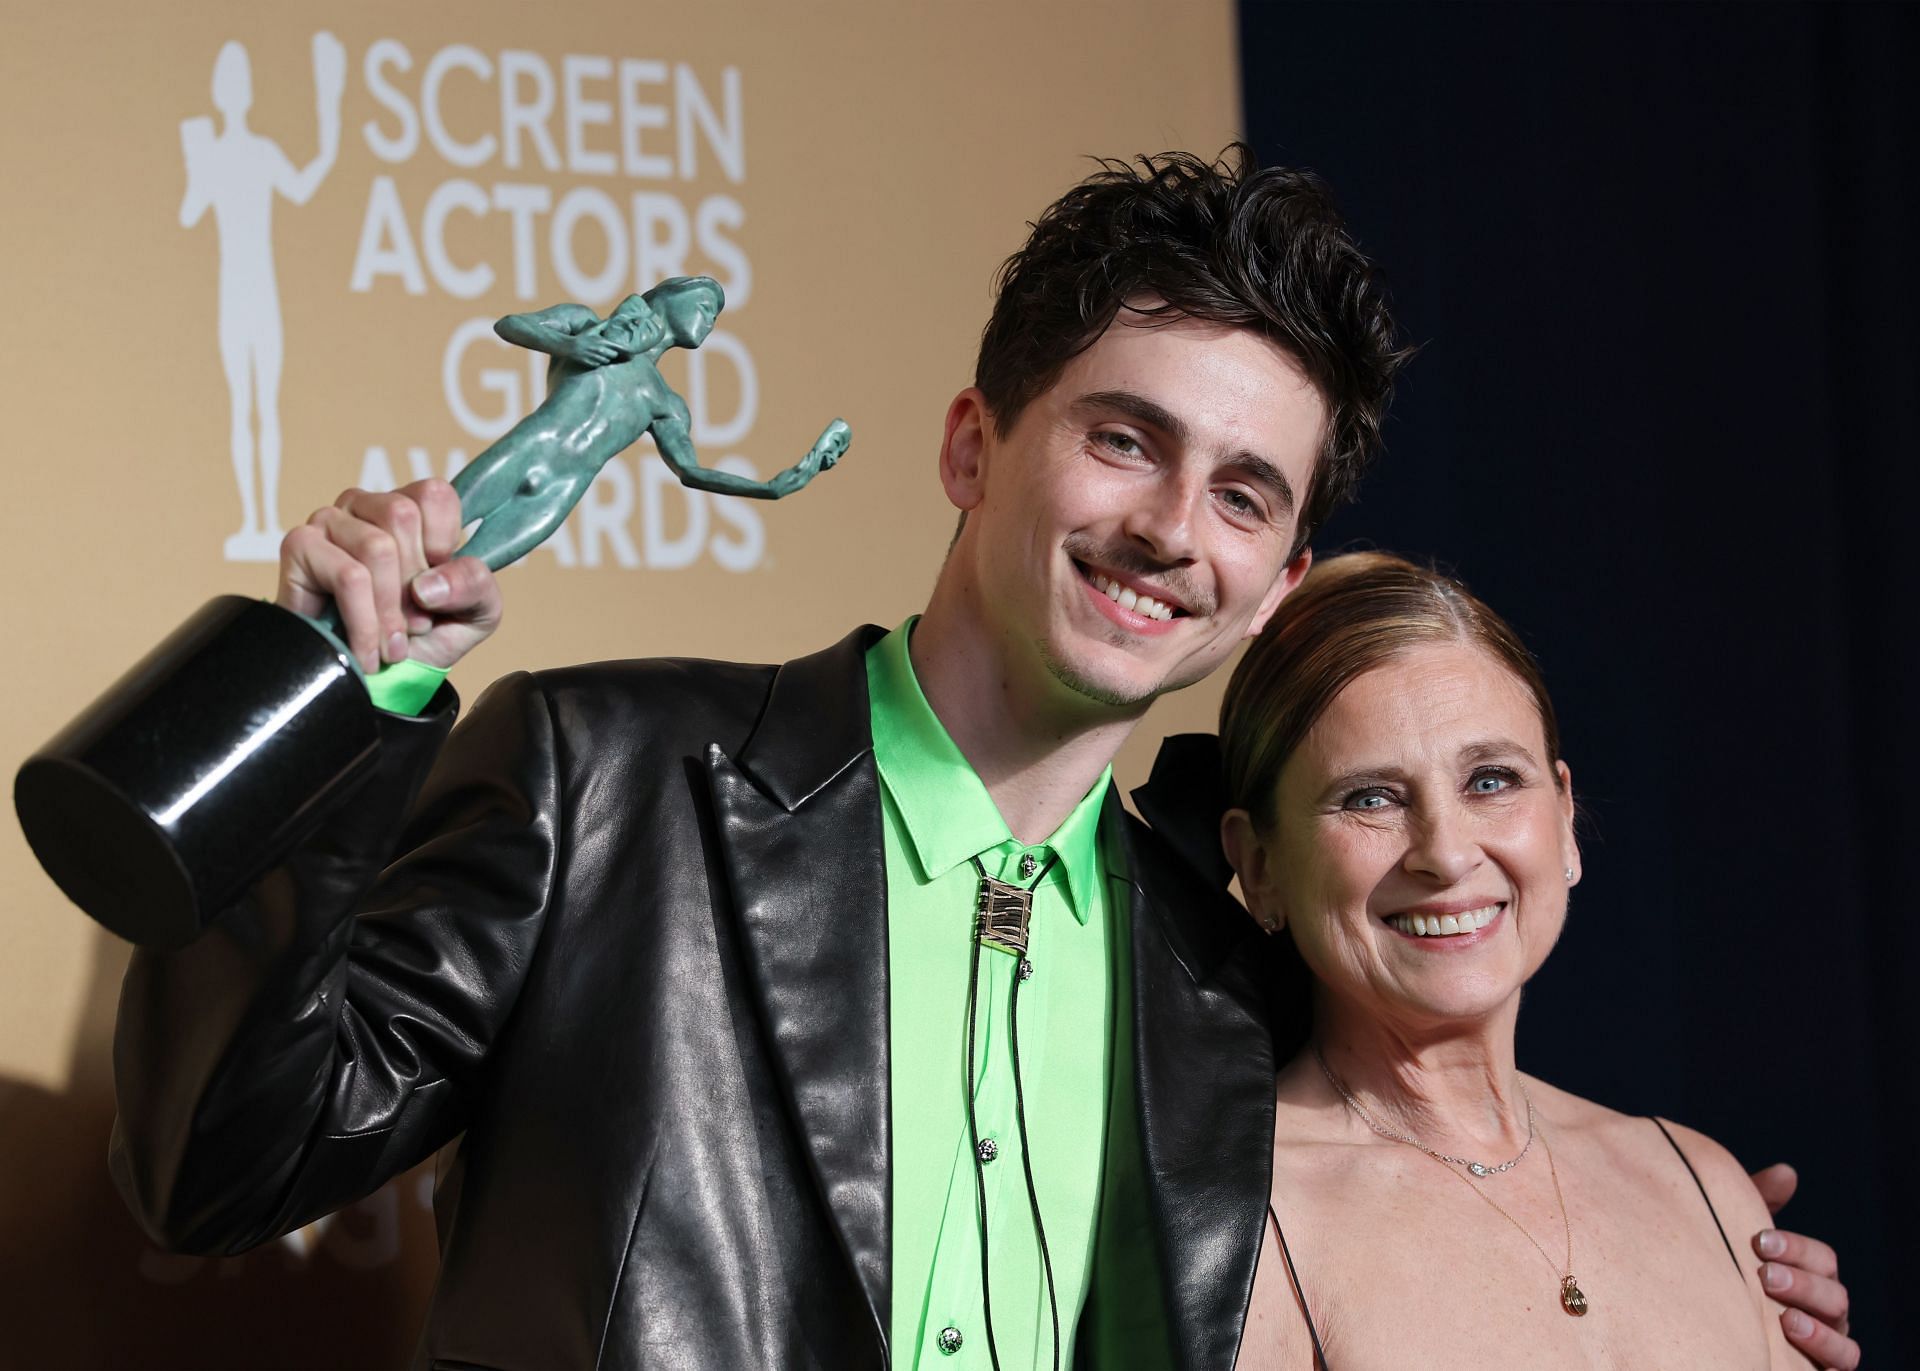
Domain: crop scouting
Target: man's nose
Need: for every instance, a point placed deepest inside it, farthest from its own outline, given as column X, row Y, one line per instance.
column 1163, row 519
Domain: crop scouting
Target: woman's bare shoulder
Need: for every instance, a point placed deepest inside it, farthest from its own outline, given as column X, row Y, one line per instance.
column 1726, row 1180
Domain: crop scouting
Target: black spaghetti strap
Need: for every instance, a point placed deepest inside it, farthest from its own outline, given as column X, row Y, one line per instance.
column 1731, row 1256
column 1319, row 1353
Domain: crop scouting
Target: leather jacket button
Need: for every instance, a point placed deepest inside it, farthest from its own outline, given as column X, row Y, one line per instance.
column 950, row 1340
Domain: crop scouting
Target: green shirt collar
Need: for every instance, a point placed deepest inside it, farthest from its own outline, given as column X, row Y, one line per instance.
column 948, row 814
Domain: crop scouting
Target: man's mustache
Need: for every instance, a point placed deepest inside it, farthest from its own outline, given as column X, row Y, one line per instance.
column 1178, row 583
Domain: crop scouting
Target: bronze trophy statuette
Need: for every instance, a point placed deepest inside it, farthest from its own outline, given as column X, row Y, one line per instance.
column 204, row 764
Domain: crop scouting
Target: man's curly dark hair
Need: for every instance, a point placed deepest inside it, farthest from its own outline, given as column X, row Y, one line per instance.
column 1224, row 242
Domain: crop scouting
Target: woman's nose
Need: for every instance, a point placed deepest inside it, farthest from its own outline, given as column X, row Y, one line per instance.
column 1442, row 847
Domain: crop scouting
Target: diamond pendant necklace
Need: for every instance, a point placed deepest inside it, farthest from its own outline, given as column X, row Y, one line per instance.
column 1572, row 1298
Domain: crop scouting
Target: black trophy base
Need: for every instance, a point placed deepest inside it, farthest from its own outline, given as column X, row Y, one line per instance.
column 199, row 769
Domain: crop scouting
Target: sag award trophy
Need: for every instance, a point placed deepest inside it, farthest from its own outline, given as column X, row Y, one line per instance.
column 203, row 765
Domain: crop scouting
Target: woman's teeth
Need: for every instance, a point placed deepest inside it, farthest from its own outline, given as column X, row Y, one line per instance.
column 1443, row 925
column 1129, row 599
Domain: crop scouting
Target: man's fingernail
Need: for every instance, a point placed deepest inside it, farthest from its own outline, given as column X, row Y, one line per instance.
column 429, row 588
column 1770, row 1243
column 1798, row 1324
column 1775, row 1277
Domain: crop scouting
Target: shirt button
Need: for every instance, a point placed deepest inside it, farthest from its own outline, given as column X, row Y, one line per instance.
column 950, row 1340
column 1026, row 969
column 1029, row 864
column 987, row 1150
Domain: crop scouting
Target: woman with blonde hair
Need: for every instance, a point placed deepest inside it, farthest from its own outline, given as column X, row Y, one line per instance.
column 1402, row 816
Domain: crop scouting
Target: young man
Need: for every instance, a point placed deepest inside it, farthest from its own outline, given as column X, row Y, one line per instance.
column 831, row 1014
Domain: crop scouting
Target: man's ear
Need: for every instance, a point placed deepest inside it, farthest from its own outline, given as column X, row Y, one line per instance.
column 1283, row 586
column 963, row 451
column 1252, row 862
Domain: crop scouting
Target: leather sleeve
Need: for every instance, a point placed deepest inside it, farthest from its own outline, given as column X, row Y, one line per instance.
column 326, row 1033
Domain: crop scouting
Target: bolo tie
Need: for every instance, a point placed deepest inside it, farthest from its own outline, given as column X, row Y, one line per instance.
column 1003, row 916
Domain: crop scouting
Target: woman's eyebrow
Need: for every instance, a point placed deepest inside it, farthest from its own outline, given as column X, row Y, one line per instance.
column 1493, row 749
column 1355, row 777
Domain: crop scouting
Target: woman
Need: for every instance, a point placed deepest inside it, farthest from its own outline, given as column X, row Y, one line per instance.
column 1404, row 815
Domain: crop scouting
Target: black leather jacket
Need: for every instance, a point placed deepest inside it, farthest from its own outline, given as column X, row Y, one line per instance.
column 634, row 950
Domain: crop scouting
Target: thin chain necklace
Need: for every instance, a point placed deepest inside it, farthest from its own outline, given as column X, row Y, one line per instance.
column 1572, row 1298
column 1479, row 1169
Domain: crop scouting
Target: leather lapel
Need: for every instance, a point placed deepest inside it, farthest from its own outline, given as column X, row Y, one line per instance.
column 1203, row 1081
column 800, row 835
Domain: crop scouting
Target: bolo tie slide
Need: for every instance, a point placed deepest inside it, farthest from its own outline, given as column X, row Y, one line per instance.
column 1003, row 918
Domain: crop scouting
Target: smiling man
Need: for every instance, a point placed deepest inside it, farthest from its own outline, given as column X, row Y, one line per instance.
column 834, row 1014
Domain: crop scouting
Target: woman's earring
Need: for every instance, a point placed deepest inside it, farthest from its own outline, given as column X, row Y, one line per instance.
column 1569, row 875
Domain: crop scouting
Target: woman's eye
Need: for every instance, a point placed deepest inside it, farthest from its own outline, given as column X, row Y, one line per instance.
column 1367, row 800
column 1490, row 782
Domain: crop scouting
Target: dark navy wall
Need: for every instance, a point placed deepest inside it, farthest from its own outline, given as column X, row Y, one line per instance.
column 1661, row 262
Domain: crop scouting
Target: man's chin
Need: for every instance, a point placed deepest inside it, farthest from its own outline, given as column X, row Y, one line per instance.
column 1109, row 689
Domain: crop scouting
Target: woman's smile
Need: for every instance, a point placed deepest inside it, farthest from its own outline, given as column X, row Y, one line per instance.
column 1450, row 930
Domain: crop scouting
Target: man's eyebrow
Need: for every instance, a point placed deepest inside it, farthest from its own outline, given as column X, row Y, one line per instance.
column 1139, row 408
column 1145, row 411
column 1259, row 469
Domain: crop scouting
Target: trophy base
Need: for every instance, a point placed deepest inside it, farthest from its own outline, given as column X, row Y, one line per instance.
column 196, row 771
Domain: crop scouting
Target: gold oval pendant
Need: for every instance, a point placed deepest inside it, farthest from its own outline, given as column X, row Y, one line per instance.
column 1572, row 1299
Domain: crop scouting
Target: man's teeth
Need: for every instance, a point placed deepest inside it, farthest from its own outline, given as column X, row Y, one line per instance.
column 1128, row 598
column 1441, row 925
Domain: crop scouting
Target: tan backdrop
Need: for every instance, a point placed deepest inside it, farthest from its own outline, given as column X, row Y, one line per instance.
column 852, row 173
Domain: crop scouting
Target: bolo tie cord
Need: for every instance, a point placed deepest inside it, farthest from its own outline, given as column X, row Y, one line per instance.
column 1020, row 1121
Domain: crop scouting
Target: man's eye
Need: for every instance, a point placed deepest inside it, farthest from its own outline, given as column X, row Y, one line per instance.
column 1239, row 503
column 1123, row 443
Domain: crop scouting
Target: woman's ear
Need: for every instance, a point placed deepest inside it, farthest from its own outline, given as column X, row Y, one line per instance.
column 1252, row 862
column 1569, row 840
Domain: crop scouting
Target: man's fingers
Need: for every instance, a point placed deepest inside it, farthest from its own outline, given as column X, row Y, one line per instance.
column 1821, row 1296
column 300, row 588
column 378, row 553
column 439, row 507
column 1776, row 1185
column 1824, row 1346
column 464, row 588
column 1779, row 1246
column 384, row 560
column 403, row 520
column 313, row 570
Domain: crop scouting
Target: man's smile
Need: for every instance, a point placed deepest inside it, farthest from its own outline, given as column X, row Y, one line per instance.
column 1129, row 602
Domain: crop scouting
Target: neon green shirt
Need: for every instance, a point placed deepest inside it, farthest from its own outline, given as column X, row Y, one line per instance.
column 936, row 815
